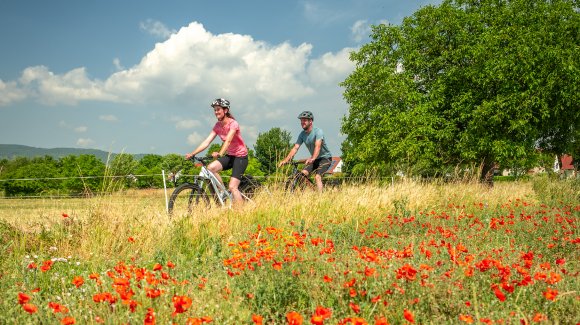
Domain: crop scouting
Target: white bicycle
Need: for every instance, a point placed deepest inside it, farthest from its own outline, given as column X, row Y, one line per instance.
column 204, row 187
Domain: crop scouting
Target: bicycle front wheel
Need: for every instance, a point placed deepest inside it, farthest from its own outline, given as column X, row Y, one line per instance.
column 297, row 182
column 185, row 198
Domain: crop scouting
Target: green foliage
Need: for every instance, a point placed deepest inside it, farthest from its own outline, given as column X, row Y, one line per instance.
column 465, row 83
column 271, row 147
column 149, row 169
column 31, row 177
column 85, row 172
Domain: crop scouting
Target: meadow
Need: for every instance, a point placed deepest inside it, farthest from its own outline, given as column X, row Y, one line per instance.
column 456, row 253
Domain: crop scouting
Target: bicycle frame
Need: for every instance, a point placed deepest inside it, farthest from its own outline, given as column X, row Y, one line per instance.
column 217, row 188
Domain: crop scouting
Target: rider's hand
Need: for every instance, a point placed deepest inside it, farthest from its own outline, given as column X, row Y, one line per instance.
column 189, row 156
column 215, row 155
column 282, row 163
column 309, row 161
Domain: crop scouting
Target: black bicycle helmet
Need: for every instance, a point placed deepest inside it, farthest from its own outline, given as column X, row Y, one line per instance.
column 222, row 102
column 306, row 114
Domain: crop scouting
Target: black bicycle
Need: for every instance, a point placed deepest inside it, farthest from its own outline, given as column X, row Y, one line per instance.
column 297, row 181
column 205, row 187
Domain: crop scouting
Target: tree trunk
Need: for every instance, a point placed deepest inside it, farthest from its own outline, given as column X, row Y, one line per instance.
column 487, row 169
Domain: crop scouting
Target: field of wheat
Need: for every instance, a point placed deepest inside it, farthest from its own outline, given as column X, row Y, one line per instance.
column 360, row 254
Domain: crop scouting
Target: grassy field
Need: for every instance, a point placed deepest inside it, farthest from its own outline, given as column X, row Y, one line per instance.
column 368, row 254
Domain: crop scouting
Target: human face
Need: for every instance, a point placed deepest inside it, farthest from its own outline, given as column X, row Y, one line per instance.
column 219, row 112
column 306, row 124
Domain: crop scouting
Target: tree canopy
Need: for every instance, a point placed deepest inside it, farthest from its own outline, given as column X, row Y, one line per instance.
column 271, row 147
column 479, row 82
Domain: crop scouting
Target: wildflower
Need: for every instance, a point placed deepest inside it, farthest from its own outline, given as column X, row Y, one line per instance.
column 32, row 265
column 277, row 266
column 409, row 316
column 64, row 215
column 257, row 319
column 131, row 239
column 29, row 308
column 157, row 267
column 466, row 318
column 68, row 320
column 78, row 281
column 539, row 317
column 500, row 295
column 23, row 298
column 153, row 293
column 354, row 307
column 149, row 317
column 381, row 321
column 320, row 314
column 170, row 264
column 57, row 308
column 327, row 279
column 294, row 318
column 550, row 294
column 181, row 304
column 46, row 265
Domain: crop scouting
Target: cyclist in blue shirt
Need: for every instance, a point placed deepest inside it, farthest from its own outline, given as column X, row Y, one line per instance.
column 313, row 139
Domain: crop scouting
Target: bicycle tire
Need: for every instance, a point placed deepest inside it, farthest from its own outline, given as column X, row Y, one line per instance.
column 249, row 186
column 185, row 197
column 297, row 182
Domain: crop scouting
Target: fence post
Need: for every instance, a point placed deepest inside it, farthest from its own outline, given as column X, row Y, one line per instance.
column 165, row 190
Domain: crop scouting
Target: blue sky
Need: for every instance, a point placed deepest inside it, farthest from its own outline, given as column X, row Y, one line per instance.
column 138, row 76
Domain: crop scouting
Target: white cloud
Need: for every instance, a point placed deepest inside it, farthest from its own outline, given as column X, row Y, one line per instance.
column 117, row 64
column 156, row 28
column 108, row 118
column 85, row 143
column 194, row 139
column 187, row 124
column 81, row 129
column 361, row 30
column 10, row 92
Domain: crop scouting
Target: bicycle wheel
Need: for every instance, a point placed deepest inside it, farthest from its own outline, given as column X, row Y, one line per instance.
column 185, row 198
column 249, row 186
column 297, row 182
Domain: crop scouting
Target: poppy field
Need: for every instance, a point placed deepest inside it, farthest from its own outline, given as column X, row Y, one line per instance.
column 406, row 253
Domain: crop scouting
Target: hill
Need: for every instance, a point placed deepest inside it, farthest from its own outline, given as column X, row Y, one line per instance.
column 11, row 151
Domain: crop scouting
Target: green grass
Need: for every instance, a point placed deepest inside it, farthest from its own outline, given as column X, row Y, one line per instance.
column 366, row 253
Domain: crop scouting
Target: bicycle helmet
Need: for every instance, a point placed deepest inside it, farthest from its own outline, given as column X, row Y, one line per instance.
column 306, row 114
column 222, row 102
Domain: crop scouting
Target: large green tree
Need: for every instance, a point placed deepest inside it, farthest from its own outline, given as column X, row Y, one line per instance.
column 271, row 147
column 479, row 82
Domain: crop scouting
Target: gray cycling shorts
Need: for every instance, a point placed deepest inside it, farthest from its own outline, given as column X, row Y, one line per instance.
column 320, row 166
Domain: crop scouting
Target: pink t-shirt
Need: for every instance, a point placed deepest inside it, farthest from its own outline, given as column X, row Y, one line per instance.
column 237, row 147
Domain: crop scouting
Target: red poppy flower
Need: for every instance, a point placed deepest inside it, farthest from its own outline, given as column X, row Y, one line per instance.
column 409, row 316
column 23, row 298
column 294, row 318
column 30, row 308
column 78, row 281
column 68, row 320
column 181, row 304
column 57, row 308
column 550, row 294
column 149, row 317
column 257, row 319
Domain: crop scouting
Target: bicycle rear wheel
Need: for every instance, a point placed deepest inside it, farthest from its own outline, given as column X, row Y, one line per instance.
column 249, row 186
column 185, row 198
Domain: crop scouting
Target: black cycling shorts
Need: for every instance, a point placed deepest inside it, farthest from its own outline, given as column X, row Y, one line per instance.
column 320, row 166
column 238, row 165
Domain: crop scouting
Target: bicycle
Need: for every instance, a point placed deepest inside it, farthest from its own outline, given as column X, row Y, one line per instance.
column 298, row 181
column 206, row 186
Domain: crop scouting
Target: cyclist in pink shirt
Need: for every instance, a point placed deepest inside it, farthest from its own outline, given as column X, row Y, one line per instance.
column 233, row 154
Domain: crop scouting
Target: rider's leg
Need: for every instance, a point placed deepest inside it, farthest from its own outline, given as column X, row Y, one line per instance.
column 318, row 179
column 233, row 187
column 215, row 167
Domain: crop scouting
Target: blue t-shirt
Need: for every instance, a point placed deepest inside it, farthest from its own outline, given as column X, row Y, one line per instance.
column 310, row 138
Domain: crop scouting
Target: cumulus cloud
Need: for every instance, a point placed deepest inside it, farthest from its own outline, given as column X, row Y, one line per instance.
column 195, row 139
column 361, row 29
column 81, row 129
column 10, row 92
column 186, row 124
column 156, row 28
column 85, row 143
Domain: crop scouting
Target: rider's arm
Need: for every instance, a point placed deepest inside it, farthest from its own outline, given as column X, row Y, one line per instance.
column 290, row 155
column 203, row 145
